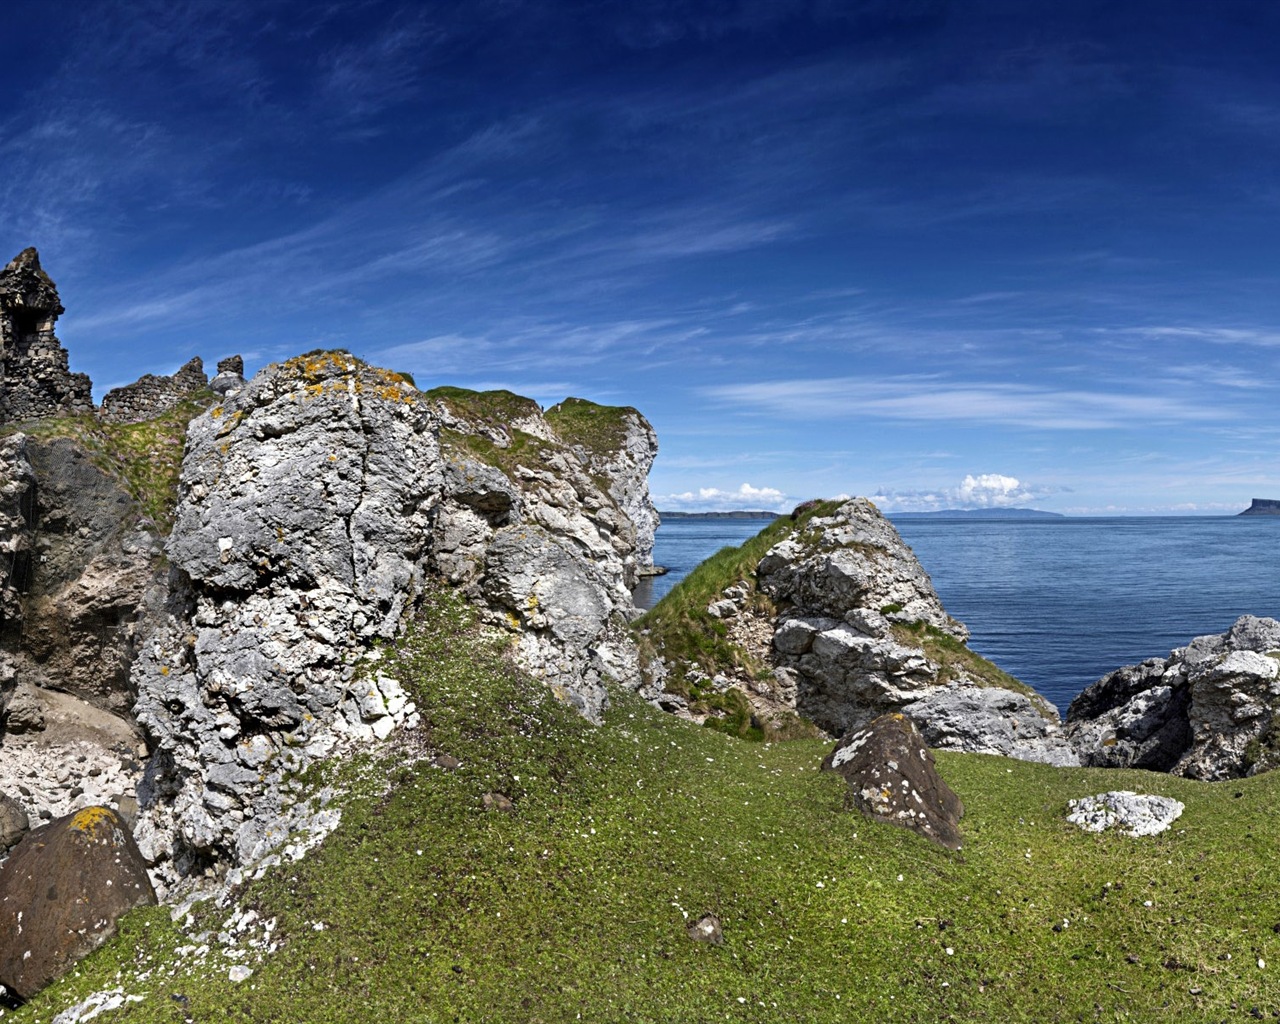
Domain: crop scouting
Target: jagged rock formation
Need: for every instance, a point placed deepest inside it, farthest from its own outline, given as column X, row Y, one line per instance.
column 317, row 505
column 35, row 380
column 230, row 376
column 1210, row 710
column 149, row 395
column 857, row 631
column 537, row 526
column 861, row 632
column 893, row 777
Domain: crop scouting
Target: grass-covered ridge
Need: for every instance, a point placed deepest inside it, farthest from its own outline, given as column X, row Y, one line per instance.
column 145, row 457
column 679, row 629
column 600, row 429
column 424, row 907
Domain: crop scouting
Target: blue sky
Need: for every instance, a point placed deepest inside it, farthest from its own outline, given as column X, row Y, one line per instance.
column 943, row 254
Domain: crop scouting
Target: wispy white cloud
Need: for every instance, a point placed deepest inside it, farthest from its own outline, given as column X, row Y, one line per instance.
column 932, row 399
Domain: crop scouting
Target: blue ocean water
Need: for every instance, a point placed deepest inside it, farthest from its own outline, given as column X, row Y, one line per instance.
column 1060, row 602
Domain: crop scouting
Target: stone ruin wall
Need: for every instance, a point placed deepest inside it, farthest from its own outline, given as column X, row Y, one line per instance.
column 150, row 395
column 35, row 380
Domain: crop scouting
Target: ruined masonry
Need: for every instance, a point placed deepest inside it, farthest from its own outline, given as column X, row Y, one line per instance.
column 34, row 377
column 150, row 395
column 35, row 381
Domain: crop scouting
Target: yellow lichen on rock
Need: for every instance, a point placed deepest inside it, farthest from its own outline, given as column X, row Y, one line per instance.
column 90, row 818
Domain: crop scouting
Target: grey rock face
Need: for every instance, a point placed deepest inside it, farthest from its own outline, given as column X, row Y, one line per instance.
column 892, row 777
column 301, row 537
column 1207, row 711
column 1125, row 811
column 317, row 504
column 842, row 586
column 84, row 561
column 853, row 560
column 34, row 377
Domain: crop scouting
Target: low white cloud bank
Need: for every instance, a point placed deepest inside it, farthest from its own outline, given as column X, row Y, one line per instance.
column 985, row 490
column 713, row 499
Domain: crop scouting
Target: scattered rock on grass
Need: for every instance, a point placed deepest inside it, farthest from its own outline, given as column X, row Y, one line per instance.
column 1131, row 813
column 707, row 929
column 892, row 777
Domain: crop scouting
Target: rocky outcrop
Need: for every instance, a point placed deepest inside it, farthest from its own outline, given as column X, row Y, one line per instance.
column 62, row 891
column 893, row 777
column 860, row 632
column 35, row 380
column 90, row 559
column 1210, row 710
column 536, row 526
column 149, row 396
column 318, row 504
column 619, row 445
column 230, row 377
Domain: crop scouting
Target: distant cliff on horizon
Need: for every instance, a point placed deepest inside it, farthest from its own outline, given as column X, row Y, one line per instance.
column 979, row 513
column 719, row 515
column 1263, row 507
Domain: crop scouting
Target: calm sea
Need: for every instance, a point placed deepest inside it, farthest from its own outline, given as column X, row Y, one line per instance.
column 1060, row 602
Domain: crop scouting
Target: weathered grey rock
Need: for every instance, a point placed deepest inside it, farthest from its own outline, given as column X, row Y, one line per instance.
column 708, row 929
column 62, row 890
column 13, row 823
column 35, row 381
column 853, row 560
column 1125, row 811
column 1207, row 711
column 621, row 449
column 230, row 377
column 23, row 712
column 892, row 777
column 149, row 396
column 846, row 588
column 301, row 537
column 990, row 720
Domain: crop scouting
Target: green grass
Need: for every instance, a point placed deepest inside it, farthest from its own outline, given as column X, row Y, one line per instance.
column 145, row 457
column 494, row 408
column 435, row 910
column 954, row 658
column 600, row 429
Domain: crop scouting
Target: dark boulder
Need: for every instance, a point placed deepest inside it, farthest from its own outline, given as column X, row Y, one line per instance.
column 13, row 823
column 62, row 890
column 892, row 777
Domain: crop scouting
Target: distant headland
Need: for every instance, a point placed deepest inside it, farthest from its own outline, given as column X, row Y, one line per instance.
column 1263, row 507
column 979, row 513
column 718, row 515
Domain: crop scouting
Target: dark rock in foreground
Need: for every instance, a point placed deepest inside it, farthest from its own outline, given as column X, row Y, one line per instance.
column 892, row 777
column 61, row 893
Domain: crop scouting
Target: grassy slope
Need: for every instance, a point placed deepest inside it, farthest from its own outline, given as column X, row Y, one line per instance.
column 145, row 457
column 435, row 910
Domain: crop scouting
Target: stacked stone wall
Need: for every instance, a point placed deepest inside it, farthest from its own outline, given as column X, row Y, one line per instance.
column 149, row 396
